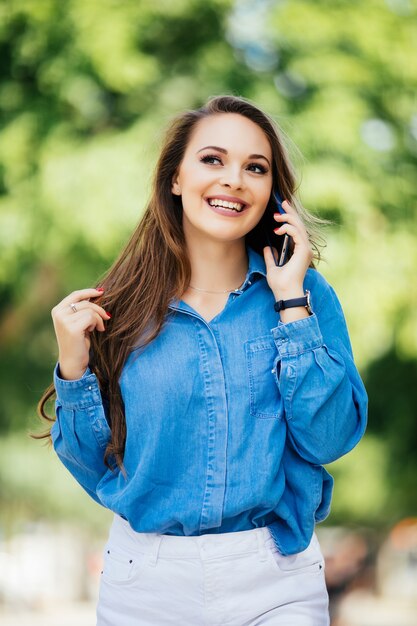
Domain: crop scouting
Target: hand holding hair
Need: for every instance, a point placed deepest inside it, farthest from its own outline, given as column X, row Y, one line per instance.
column 74, row 318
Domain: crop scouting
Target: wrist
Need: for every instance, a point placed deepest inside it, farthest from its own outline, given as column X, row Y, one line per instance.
column 294, row 314
column 292, row 309
column 66, row 371
column 289, row 293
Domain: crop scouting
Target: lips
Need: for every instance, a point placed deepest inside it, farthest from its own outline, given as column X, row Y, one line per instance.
column 225, row 212
column 230, row 203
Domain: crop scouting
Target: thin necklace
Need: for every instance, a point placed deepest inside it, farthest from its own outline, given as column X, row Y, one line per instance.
column 209, row 291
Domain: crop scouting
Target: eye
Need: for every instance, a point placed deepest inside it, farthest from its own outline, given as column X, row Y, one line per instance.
column 209, row 158
column 257, row 168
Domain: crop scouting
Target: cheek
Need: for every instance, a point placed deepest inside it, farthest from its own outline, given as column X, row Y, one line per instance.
column 193, row 176
column 263, row 195
column 262, row 188
column 254, row 220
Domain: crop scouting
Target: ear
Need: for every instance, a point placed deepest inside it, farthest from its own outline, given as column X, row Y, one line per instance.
column 175, row 188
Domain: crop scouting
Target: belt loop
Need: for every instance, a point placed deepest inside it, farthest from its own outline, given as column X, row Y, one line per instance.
column 154, row 551
column 261, row 535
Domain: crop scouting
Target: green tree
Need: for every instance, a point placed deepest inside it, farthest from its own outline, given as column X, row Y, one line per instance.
column 85, row 88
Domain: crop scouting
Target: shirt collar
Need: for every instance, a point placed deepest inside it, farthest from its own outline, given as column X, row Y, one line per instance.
column 256, row 266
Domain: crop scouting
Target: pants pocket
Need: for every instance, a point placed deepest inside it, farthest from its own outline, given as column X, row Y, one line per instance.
column 120, row 567
column 310, row 560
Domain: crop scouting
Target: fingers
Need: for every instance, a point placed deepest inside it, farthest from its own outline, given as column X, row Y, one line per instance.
column 85, row 319
column 88, row 320
column 79, row 299
column 81, row 294
column 298, row 234
column 291, row 218
column 82, row 305
column 292, row 225
column 288, row 208
column 293, row 231
column 76, row 313
column 269, row 258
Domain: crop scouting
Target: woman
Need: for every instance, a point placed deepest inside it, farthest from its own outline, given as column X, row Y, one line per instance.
column 198, row 413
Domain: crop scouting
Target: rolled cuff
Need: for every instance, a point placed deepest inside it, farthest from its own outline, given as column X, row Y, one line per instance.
column 297, row 337
column 77, row 394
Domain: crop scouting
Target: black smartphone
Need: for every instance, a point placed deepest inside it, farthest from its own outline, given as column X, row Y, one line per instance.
column 286, row 241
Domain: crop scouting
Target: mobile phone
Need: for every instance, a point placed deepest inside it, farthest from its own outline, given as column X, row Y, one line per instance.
column 286, row 243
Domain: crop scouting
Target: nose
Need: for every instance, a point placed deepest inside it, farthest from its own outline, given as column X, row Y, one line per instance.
column 232, row 178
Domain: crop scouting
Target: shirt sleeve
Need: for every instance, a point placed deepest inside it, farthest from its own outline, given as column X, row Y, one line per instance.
column 81, row 433
column 324, row 397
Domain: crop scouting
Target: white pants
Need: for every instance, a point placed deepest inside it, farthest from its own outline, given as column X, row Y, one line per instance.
column 229, row 579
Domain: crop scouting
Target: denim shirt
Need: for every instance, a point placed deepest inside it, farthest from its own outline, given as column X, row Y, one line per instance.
column 228, row 422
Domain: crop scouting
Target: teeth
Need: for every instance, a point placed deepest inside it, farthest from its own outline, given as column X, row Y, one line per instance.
column 226, row 205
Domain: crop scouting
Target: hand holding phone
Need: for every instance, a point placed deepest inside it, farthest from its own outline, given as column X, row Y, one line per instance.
column 286, row 243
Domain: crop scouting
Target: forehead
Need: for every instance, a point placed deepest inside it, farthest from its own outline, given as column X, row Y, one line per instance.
column 230, row 131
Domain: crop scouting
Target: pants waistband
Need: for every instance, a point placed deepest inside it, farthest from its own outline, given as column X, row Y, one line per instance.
column 207, row 546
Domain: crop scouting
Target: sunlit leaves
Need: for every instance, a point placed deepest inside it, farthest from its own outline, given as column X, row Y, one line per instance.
column 86, row 88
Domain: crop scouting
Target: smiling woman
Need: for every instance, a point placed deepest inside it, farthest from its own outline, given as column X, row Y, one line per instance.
column 202, row 408
column 217, row 183
column 234, row 178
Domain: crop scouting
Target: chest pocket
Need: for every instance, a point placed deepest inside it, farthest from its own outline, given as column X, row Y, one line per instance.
column 265, row 399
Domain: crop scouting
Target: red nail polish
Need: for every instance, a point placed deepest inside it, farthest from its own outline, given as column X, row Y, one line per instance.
column 107, row 313
column 276, row 230
column 100, row 289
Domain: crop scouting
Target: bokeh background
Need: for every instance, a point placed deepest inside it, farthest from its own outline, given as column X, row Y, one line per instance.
column 86, row 88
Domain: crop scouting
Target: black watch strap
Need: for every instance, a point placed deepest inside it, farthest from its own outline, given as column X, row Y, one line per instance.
column 280, row 305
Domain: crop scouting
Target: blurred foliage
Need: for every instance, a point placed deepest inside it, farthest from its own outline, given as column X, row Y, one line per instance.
column 35, row 485
column 85, row 88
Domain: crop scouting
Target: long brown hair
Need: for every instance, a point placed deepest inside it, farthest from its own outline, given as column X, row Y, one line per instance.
column 153, row 268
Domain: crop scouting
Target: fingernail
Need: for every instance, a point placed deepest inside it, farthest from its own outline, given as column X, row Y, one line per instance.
column 99, row 289
column 276, row 230
column 107, row 313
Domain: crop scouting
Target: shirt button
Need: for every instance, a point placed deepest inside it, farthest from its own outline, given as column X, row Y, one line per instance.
column 273, row 371
column 89, row 388
column 249, row 282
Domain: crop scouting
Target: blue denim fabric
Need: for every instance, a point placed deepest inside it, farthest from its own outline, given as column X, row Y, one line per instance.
column 228, row 422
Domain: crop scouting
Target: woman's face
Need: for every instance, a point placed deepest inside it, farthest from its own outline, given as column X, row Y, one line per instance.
column 225, row 178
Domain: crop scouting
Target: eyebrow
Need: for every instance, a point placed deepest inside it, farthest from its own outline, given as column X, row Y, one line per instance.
column 224, row 151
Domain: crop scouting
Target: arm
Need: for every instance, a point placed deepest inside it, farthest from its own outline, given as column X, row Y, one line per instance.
column 324, row 398
column 81, row 433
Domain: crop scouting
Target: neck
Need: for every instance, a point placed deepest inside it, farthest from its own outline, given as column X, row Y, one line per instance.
column 217, row 266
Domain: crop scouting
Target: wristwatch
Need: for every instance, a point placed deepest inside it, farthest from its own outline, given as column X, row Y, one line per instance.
column 280, row 305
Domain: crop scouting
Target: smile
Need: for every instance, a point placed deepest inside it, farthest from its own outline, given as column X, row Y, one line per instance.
column 226, row 206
